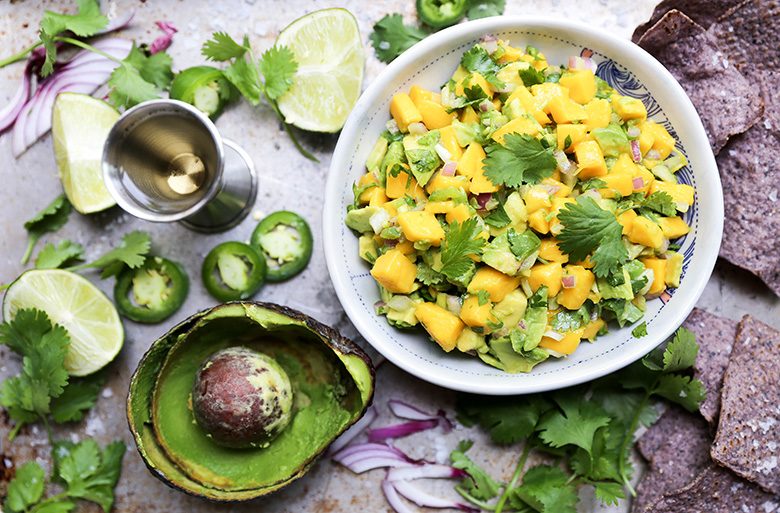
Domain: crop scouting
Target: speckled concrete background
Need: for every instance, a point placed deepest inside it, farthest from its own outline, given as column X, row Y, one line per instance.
column 287, row 181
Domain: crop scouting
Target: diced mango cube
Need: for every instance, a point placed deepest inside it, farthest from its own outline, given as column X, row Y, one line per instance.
column 474, row 80
column 529, row 104
column 377, row 197
column 418, row 93
column 442, row 325
column 439, row 207
column 566, row 110
column 626, row 220
column 590, row 160
column 628, row 108
column 434, row 115
column 544, row 93
column 538, row 222
column 591, row 330
column 395, row 272
column 367, row 179
column 550, row 251
column 535, row 198
column 440, row 181
column 646, row 136
column 648, row 179
column 519, row 125
column 567, row 345
column 599, row 113
column 575, row 134
column 574, row 297
column 476, row 315
column 548, row 275
column 673, row 227
column 658, row 266
column 617, row 184
column 471, row 160
column 421, row 226
column 459, row 213
column 663, row 142
column 406, row 247
column 645, row 232
column 558, row 189
column 581, row 84
column 624, row 165
column 496, row 283
column 401, row 185
column 479, row 182
column 450, row 142
column 469, row 115
column 404, row 111
column 681, row 193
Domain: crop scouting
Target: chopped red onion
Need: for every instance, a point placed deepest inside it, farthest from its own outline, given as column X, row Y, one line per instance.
column 633, row 132
column 521, row 324
column 508, row 87
column 636, row 153
column 395, row 501
column 488, row 37
column 593, row 193
column 424, row 499
column 449, row 168
column 483, row 198
column 401, row 303
column 569, row 282
column 486, row 105
column 653, row 155
column 392, row 127
column 379, row 304
column 432, row 471
column 551, row 189
column 453, row 304
column 638, row 183
column 681, row 206
column 664, row 246
column 443, row 153
column 553, row 335
column 577, row 62
column 417, row 129
column 164, row 41
column 354, row 430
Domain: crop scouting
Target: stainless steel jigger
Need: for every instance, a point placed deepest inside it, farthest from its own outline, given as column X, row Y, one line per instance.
column 165, row 161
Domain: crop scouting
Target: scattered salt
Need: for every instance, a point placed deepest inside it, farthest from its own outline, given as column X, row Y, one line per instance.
column 107, row 392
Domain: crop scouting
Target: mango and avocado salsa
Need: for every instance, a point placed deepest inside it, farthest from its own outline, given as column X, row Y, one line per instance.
column 520, row 209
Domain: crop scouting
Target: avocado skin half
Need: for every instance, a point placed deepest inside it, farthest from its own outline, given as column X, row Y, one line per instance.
column 143, row 382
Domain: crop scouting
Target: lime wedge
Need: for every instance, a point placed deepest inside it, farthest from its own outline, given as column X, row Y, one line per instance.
column 96, row 332
column 79, row 127
column 329, row 52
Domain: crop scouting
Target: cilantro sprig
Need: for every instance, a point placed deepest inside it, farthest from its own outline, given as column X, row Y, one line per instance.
column 588, row 228
column 131, row 252
column 461, row 241
column 48, row 220
column 83, row 470
column 520, row 159
column 268, row 77
column 43, row 387
column 589, row 428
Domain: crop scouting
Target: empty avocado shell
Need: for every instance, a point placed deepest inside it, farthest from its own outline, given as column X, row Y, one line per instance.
column 332, row 382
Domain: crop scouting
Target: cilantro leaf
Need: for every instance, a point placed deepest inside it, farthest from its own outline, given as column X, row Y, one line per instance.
column 588, row 227
column 484, row 8
column 131, row 252
column 222, row 47
column 87, row 22
column 278, row 67
column 680, row 353
column 50, row 219
column 507, row 422
column 498, row 218
column 391, row 37
column 573, row 424
column 547, row 489
column 640, row 330
column 88, row 472
column 478, row 60
column 608, row 492
column 483, row 297
column 461, row 241
column 662, row 203
column 478, row 484
column 244, row 75
column 78, row 397
column 683, row 390
column 531, row 76
column 427, row 276
column 54, row 257
column 26, row 488
column 521, row 159
column 139, row 77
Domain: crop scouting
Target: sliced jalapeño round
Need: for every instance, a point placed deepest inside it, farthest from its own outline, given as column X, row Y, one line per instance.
column 153, row 292
column 233, row 270
column 441, row 13
column 285, row 239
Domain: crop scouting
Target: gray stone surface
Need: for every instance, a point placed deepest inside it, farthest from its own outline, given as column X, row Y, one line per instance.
column 289, row 181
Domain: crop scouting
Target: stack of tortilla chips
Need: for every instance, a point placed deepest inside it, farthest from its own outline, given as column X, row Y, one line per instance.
column 726, row 55
column 727, row 459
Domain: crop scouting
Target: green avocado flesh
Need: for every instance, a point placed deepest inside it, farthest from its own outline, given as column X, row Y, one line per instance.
column 331, row 390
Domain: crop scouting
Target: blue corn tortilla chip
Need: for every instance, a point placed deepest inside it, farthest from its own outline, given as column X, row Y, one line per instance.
column 703, row 12
column 748, row 436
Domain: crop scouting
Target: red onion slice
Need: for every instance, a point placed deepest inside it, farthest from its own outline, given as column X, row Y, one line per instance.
column 569, row 282
column 353, row 431
column 424, row 499
column 401, row 430
column 11, row 111
column 483, row 198
column 395, row 501
column 405, row 410
column 117, row 23
column 443, row 152
column 636, row 153
column 653, row 155
column 425, row 472
column 164, row 41
column 369, row 447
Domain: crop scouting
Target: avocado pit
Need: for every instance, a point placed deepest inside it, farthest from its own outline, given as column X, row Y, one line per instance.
column 242, row 398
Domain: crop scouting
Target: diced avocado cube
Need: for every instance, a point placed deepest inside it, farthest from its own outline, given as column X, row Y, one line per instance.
column 359, row 219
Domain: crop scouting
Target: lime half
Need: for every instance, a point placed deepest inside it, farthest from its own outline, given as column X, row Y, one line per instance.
column 79, row 127
column 96, row 332
column 329, row 52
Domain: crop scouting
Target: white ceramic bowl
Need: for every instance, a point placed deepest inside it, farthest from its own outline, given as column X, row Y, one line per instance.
column 430, row 63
